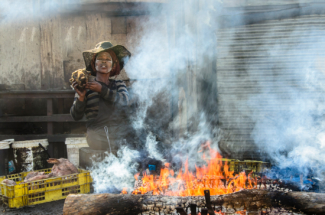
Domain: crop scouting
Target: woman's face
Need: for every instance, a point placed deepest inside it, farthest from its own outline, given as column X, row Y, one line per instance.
column 103, row 63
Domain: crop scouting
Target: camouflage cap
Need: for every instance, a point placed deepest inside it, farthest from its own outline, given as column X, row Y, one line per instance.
column 121, row 52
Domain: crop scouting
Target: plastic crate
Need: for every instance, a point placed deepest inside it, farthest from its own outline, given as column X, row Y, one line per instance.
column 230, row 163
column 41, row 191
column 237, row 166
column 256, row 167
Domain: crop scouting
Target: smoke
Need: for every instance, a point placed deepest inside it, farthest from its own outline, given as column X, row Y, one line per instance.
column 166, row 45
column 290, row 130
column 19, row 10
column 151, row 146
column 187, row 149
column 115, row 172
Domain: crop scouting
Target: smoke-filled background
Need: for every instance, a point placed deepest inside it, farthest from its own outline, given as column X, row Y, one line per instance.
column 18, row 11
column 291, row 131
column 248, row 80
column 270, row 77
column 175, row 49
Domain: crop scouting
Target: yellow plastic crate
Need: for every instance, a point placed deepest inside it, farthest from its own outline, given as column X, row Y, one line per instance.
column 253, row 166
column 41, row 191
column 230, row 163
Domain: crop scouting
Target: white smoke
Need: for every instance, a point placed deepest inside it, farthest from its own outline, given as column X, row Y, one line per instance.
column 292, row 132
column 293, row 137
column 160, row 61
column 165, row 50
column 151, row 146
column 188, row 148
column 20, row 10
column 115, row 172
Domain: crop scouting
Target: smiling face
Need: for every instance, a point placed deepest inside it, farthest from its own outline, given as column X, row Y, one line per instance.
column 103, row 63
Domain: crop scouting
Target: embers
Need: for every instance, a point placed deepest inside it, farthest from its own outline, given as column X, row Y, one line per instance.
column 205, row 208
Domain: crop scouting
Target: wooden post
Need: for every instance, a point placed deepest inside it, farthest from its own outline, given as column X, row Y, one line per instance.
column 60, row 106
column 60, row 111
column 49, row 113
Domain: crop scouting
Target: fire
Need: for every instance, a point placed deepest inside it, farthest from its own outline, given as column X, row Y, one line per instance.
column 215, row 176
column 124, row 191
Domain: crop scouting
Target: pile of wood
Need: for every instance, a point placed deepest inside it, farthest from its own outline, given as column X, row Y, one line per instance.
column 253, row 201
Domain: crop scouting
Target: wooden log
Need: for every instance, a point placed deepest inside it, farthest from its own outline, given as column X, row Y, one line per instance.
column 249, row 200
column 261, row 200
column 102, row 204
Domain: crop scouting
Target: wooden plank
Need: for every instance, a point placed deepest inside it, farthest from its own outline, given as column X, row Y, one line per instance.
column 38, row 94
column 60, row 111
column 8, row 50
column 28, row 46
column 118, row 25
column 133, row 39
column 98, row 27
column 74, row 42
column 51, row 53
column 60, row 106
column 49, row 107
column 51, row 138
column 19, row 51
column 49, row 113
column 52, row 118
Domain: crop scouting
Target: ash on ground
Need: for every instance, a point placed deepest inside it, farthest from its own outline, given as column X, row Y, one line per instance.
column 50, row 208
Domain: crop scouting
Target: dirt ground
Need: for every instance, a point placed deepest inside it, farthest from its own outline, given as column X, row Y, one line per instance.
column 51, row 208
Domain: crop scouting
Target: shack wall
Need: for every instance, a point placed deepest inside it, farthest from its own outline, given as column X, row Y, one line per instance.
column 42, row 53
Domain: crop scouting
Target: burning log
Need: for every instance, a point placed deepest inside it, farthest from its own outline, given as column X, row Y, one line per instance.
column 249, row 200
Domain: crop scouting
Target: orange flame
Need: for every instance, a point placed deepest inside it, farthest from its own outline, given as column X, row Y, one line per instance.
column 124, row 191
column 215, row 176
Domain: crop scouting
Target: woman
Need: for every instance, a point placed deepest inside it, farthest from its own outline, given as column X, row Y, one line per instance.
column 103, row 101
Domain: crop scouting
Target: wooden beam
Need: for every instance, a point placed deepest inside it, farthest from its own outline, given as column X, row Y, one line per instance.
column 37, row 94
column 60, row 111
column 49, row 113
column 60, row 105
column 51, row 138
column 52, row 118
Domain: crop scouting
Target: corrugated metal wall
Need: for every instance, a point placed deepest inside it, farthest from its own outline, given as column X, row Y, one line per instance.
column 257, row 63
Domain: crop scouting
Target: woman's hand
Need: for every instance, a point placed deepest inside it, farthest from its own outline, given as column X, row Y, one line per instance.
column 94, row 86
column 81, row 92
